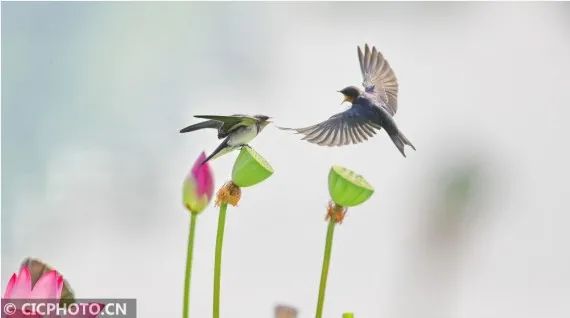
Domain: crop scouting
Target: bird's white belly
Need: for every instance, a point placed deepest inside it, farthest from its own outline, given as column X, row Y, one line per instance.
column 243, row 136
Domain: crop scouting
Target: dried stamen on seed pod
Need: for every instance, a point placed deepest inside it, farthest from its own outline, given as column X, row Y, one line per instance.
column 336, row 212
column 229, row 193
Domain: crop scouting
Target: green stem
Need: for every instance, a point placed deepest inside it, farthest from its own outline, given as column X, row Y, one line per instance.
column 325, row 270
column 218, row 258
column 187, row 277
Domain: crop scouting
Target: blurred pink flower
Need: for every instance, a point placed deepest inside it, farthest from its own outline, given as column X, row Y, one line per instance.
column 49, row 286
column 198, row 187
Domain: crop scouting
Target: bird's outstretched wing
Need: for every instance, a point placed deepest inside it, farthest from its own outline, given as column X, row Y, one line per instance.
column 379, row 78
column 229, row 123
column 205, row 124
column 349, row 127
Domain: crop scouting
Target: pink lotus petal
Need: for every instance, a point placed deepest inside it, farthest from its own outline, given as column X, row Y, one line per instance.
column 10, row 286
column 59, row 286
column 47, row 286
column 198, row 187
column 20, row 314
column 203, row 176
column 22, row 288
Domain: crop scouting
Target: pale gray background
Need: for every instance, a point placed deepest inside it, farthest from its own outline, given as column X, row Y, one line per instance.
column 473, row 224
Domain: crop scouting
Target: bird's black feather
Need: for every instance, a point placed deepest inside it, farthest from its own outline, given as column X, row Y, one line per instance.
column 205, row 124
column 221, row 147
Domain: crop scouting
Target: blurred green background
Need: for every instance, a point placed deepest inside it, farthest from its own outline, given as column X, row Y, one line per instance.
column 473, row 224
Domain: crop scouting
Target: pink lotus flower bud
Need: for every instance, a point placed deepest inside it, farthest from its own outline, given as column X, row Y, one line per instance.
column 49, row 286
column 36, row 281
column 198, row 187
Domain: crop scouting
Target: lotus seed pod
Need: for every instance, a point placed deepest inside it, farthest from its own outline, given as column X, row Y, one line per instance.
column 348, row 188
column 250, row 168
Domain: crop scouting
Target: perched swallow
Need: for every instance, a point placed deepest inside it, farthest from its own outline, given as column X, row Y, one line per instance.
column 372, row 108
column 238, row 130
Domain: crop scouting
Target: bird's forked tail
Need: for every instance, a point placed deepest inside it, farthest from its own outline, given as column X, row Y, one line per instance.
column 400, row 141
column 222, row 149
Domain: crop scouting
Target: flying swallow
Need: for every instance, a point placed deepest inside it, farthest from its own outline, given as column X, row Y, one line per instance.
column 238, row 130
column 372, row 108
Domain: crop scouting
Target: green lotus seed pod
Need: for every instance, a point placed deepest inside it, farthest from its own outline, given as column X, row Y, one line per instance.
column 348, row 315
column 348, row 188
column 250, row 168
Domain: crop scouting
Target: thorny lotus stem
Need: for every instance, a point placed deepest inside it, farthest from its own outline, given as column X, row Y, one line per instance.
column 325, row 270
column 228, row 193
column 187, row 277
column 335, row 214
column 218, row 258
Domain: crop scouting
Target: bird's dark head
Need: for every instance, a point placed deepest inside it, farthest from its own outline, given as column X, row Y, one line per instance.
column 350, row 93
column 263, row 120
